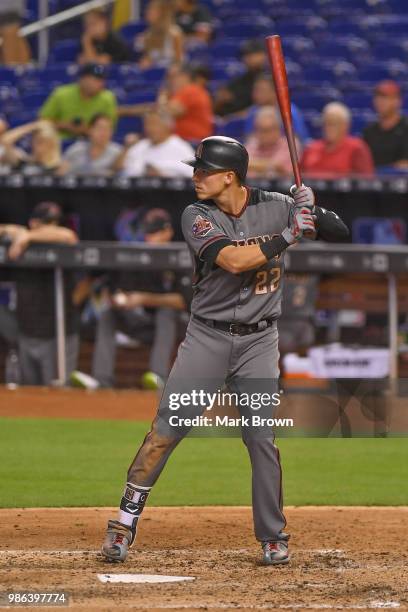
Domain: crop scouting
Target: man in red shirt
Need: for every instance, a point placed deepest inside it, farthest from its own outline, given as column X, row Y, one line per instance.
column 337, row 154
column 189, row 103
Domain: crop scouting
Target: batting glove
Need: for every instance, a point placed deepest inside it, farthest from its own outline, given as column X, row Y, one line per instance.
column 303, row 196
column 302, row 223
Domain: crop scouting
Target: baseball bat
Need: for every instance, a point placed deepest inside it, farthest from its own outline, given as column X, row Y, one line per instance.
column 280, row 79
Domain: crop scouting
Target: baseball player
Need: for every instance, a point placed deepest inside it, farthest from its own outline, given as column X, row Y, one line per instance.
column 236, row 235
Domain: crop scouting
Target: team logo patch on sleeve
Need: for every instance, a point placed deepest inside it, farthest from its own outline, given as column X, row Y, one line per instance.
column 201, row 227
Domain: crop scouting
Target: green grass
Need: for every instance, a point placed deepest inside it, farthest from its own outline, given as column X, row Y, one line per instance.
column 83, row 463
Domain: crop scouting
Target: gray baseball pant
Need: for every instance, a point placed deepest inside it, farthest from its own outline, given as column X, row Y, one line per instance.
column 207, row 359
column 160, row 329
column 38, row 359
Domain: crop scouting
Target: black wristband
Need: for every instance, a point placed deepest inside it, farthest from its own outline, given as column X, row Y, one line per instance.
column 273, row 247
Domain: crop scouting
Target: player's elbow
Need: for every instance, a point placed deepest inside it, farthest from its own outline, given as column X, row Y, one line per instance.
column 228, row 263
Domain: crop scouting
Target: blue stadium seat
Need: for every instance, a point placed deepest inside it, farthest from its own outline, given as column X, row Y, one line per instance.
column 228, row 47
column 234, row 128
column 127, row 125
column 153, row 75
column 360, row 119
column 289, row 28
column 345, row 27
column 8, row 75
column 384, row 70
column 65, row 51
column 317, row 74
column 23, row 116
column 390, row 49
column 313, row 121
column 33, row 100
column 246, row 30
column 45, row 79
column 395, row 25
column 397, row 6
column 299, row 45
column 131, row 30
column 222, row 69
column 9, row 99
column 335, row 49
column 140, row 97
column 360, row 100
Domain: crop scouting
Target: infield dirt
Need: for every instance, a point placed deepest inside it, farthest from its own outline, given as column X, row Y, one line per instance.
column 342, row 558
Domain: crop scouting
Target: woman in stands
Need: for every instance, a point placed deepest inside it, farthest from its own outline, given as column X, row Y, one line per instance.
column 97, row 155
column 162, row 42
column 45, row 155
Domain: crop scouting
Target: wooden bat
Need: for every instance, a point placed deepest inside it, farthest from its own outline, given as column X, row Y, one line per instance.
column 280, row 79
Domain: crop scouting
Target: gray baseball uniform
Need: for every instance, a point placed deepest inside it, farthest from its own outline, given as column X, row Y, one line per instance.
column 214, row 353
column 296, row 325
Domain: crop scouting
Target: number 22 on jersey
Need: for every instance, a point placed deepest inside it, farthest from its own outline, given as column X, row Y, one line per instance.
column 267, row 281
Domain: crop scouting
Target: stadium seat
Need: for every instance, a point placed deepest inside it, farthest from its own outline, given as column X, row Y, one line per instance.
column 313, row 122
column 8, row 75
column 22, row 116
column 131, row 30
column 140, row 97
column 65, row 51
column 377, row 71
column 393, row 49
column 153, row 75
column 33, row 100
column 359, row 100
column 247, row 30
column 234, row 128
column 128, row 125
column 225, row 48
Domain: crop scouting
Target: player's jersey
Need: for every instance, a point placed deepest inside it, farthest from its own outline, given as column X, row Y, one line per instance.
column 248, row 297
column 299, row 296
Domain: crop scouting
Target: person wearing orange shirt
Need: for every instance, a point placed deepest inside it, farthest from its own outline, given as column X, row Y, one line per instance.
column 189, row 103
column 337, row 154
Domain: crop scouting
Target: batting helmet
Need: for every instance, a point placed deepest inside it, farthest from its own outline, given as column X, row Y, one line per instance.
column 221, row 153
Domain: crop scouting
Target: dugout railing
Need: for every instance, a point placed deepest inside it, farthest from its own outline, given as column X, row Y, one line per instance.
column 316, row 258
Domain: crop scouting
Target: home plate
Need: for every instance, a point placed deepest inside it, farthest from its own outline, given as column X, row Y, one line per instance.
column 141, row 578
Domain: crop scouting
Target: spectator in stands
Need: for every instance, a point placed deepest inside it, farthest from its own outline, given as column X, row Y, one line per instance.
column 45, row 156
column 388, row 136
column 71, row 107
column 186, row 99
column 263, row 94
column 236, row 95
column 99, row 44
column 194, row 20
column 188, row 102
column 338, row 153
column 160, row 153
column 267, row 147
column 8, row 154
column 36, row 299
column 144, row 305
column 14, row 48
column 97, row 155
column 162, row 42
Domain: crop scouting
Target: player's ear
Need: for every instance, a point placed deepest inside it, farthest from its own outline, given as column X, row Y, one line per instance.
column 229, row 177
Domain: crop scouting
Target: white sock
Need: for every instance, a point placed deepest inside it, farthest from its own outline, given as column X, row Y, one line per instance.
column 132, row 503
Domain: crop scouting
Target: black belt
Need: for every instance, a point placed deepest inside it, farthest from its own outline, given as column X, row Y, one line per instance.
column 236, row 329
